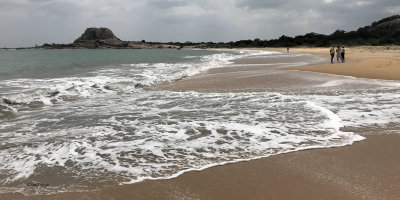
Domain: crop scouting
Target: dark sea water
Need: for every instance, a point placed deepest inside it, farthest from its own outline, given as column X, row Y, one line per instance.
column 73, row 120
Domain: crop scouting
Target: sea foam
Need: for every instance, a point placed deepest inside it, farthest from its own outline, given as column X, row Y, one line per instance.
column 124, row 78
column 153, row 135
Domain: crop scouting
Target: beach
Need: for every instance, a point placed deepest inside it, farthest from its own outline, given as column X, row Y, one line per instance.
column 365, row 169
column 363, row 62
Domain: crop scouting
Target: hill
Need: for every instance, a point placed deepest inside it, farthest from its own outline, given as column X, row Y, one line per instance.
column 389, row 25
column 382, row 32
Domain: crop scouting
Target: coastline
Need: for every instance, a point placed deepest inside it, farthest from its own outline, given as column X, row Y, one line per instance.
column 365, row 170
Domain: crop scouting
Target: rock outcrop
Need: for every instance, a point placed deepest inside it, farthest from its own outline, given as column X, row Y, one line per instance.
column 96, row 34
column 99, row 38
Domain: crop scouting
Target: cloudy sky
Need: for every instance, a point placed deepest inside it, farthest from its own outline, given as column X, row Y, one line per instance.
column 30, row 22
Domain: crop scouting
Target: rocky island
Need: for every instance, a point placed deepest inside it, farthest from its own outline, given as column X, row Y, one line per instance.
column 103, row 38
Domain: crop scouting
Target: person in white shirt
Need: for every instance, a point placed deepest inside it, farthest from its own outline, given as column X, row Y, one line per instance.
column 338, row 54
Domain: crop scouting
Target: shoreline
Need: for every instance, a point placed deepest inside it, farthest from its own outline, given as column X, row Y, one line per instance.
column 364, row 170
column 261, row 74
column 248, row 74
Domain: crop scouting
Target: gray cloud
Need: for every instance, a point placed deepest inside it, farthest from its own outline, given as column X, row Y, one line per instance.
column 257, row 4
column 30, row 22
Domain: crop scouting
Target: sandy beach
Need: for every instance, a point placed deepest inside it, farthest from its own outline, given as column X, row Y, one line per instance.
column 362, row 62
column 369, row 169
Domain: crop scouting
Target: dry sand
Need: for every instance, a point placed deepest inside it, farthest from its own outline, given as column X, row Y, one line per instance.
column 362, row 62
column 368, row 169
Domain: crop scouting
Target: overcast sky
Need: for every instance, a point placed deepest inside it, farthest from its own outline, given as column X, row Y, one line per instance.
column 30, row 22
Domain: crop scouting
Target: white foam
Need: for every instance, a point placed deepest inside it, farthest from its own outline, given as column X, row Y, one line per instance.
column 343, row 80
column 114, row 79
column 333, row 120
column 154, row 135
column 189, row 57
column 362, row 109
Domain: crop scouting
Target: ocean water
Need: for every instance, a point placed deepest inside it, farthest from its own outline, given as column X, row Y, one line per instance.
column 76, row 120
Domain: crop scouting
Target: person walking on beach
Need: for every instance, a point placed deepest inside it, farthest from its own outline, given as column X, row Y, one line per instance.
column 342, row 51
column 332, row 52
column 338, row 53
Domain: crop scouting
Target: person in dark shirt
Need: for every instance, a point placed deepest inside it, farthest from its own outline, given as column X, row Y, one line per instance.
column 332, row 52
column 342, row 52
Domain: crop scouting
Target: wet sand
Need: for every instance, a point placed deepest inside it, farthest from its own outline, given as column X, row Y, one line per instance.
column 250, row 74
column 368, row 169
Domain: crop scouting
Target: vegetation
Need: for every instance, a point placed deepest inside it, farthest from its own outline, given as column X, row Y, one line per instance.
column 383, row 32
